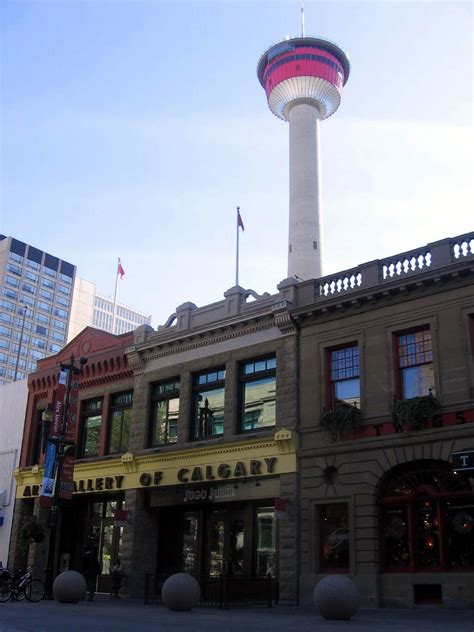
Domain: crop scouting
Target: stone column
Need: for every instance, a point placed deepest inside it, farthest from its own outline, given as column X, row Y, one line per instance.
column 140, row 540
column 288, row 528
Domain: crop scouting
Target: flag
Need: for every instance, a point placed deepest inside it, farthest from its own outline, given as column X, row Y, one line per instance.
column 240, row 223
column 120, row 270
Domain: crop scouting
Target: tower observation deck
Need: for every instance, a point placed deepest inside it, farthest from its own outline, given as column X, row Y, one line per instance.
column 303, row 79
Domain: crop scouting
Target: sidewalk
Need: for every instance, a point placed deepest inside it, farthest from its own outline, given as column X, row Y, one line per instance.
column 124, row 615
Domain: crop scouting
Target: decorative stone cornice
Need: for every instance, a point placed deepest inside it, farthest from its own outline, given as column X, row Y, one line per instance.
column 37, row 473
column 135, row 360
column 129, row 462
column 105, row 379
column 286, row 440
column 198, row 340
column 283, row 318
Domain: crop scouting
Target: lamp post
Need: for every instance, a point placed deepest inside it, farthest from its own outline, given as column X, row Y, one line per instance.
column 61, row 448
column 23, row 307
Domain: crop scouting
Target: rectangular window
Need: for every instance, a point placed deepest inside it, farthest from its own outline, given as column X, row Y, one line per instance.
column 91, row 424
column 120, row 422
column 57, row 336
column 62, row 301
column 32, row 264
column 65, row 278
column 24, row 298
column 48, row 283
column 415, row 364
column 46, row 295
column 471, row 331
column 165, row 412
column 12, row 281
column 64, row 290
column 13, row 269
column 7, row 305
column 334, row 538
column 44, row 306
column 266, row 562
column 49, row 271
column 344, row 377
column 10, row 293
column 31, row 276
column 258, row 393
column 14, row 257
column 27, row 287
column 39, row 343
column 59, row 324
column 208, row 404
column 41, row 318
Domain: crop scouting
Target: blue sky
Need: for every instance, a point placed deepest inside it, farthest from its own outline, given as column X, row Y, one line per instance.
column 134, row 129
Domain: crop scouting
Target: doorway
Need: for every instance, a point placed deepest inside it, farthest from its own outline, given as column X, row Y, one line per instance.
column 226, row 543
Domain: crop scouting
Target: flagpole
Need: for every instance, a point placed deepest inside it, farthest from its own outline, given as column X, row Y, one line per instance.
column 114, row 313
column 237, row 249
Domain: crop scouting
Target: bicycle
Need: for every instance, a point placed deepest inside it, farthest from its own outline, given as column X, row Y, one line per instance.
column 17, row 585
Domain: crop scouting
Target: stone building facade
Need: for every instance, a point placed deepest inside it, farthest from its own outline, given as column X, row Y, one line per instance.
column 380, row 499
column 88, row 517
column 257, row 436
column 210, row 400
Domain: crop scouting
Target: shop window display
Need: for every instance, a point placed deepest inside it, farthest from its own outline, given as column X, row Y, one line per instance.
column 427, row 519
column 334, row 537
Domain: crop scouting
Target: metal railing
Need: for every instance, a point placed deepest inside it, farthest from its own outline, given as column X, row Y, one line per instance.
column 222, row 591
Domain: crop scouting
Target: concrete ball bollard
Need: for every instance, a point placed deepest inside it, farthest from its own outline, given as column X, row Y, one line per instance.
column 69, row 587
column 336, row 597
column 180, row 592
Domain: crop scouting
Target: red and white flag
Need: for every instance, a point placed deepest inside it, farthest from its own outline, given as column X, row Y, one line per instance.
column 120, row 270
column 240, row 223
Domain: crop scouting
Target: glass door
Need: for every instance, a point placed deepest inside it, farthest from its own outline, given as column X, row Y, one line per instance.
column 226, row 543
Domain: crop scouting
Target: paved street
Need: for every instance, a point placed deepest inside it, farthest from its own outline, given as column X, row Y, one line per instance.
column 103, row 614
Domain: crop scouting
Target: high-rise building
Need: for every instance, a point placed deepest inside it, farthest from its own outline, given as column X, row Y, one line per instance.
column 92, row 308
column 43, row 305
column 35, row 305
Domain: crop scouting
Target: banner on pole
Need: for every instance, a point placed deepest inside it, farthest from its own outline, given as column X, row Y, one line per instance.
column 58, row 404
column 71, row 422
column 66, row 485
column 47, row 484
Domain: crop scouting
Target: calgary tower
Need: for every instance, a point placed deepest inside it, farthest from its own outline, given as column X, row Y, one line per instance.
column 303, row 79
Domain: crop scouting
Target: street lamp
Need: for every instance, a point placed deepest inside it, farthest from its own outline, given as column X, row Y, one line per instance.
column 61, row 448
column 23, row 307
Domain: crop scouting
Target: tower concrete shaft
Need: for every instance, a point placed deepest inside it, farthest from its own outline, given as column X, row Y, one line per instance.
column 304, row 234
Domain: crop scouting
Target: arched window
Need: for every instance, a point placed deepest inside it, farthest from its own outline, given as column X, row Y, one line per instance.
column 426, row 518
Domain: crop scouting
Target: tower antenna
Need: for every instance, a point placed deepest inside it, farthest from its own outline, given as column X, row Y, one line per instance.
column 302, row 18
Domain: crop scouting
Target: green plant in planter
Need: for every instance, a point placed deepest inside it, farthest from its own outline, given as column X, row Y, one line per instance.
column 344, row 418
column 413, row 412
column 32, row 531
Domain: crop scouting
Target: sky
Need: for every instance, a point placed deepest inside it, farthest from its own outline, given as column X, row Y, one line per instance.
column 134, row 129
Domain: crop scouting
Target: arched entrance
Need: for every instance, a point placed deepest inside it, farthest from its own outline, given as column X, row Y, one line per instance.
column 426, row 519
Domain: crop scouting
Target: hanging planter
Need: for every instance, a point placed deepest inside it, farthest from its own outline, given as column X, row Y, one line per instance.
column 412, row 414
column 31, row 532
column 340, row 420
